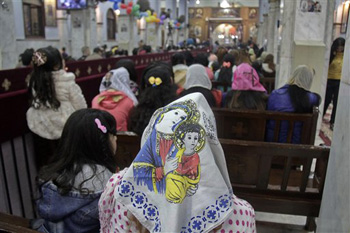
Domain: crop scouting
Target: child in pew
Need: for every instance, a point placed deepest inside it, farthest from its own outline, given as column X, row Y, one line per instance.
column 54, row 96
column 133, row 201
column 70, row 187
column 157, row 90
column 292, row 97
column 116, row 97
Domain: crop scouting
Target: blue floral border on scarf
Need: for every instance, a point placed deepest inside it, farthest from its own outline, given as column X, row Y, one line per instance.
column 197, row 224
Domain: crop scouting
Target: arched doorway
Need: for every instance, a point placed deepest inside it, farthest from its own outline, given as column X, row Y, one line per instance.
column 226, row 33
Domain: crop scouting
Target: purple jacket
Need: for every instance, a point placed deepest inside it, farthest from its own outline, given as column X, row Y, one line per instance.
column 279, row 101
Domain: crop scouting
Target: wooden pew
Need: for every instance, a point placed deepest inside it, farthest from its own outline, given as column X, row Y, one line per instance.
column 251, row 124
column 285, row 190
column 11, row 223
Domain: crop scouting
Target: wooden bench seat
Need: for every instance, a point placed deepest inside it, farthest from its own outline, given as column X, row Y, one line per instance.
column 283, row 190
column 251, row 124
column 10, row 223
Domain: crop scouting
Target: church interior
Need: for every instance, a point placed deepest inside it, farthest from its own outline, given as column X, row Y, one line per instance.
column 290, row 163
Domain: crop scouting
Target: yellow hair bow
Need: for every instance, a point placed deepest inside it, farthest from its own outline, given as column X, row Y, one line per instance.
column 154, row 81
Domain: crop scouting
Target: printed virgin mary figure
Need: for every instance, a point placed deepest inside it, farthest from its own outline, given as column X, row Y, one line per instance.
column 157, row 157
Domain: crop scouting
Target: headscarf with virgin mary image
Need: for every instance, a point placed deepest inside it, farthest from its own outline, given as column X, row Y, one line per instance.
column 179, row 181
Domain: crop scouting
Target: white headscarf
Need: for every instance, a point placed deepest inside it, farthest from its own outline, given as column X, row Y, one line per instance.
column 197, row 201
column 197, row 76
column 120, row 81
column 302, row 77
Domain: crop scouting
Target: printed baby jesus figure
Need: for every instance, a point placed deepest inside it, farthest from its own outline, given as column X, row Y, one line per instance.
column 184, row 169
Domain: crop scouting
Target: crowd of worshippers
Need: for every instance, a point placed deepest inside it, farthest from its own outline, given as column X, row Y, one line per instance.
column 169, row 185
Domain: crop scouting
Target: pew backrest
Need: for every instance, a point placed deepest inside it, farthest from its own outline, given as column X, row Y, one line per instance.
column 251, row 124
column 285, row 190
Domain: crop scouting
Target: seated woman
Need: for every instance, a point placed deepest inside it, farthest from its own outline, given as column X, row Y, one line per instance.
column 197, row 80
column 202, row 58
column 292, row 97
column 157, row 90
column 179, row 180
column 116, row 97
column 71, row 185
column 247, row 91
column 268, row 68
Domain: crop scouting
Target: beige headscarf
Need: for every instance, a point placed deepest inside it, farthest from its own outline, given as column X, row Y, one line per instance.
column 197, row 76
column 302, row 77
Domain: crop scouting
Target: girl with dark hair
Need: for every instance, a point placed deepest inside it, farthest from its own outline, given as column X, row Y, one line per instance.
column 71, row 185
column 247, row 91
column 334, row 76
column 129, row 65
column 293, row 97
column 54, row 97
column 225, row 74
column 157, row 91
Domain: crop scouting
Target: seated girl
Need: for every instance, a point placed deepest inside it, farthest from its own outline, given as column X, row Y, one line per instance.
column 71, row 185
column 292, row 97
column 116, row 97
column 179, row 181
column 247, row 91
column 157, row 90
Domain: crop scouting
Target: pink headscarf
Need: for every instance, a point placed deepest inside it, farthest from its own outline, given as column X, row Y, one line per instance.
column 246, row 79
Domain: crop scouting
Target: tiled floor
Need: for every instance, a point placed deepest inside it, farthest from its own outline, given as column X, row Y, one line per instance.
column 266, row 223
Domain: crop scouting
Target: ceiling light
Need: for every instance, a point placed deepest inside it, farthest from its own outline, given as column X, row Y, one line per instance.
column 224, row 4
column 198, row 2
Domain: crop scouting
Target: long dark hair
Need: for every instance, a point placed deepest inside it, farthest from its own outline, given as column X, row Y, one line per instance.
column 254, row 100
column 129, row 65
column 225, row 74
column 300, row 99
column 41, row 85
column 336, row 43
column 152, row 97
column 83, row 142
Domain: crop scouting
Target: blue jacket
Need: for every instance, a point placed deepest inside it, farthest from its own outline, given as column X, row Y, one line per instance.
column 279, row 101
column 74, row 212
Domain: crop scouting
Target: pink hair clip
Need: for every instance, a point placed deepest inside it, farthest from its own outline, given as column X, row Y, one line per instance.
column 226, row 64
column 100, row 126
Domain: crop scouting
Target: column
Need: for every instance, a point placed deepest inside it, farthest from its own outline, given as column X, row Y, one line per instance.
column 183, row 11
column 272, row 25
column 171, row 4
column 154, row 35
column 8, row 53
column 286, row 48
column 262, row 25
column 311, row 38
column 334, row 214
